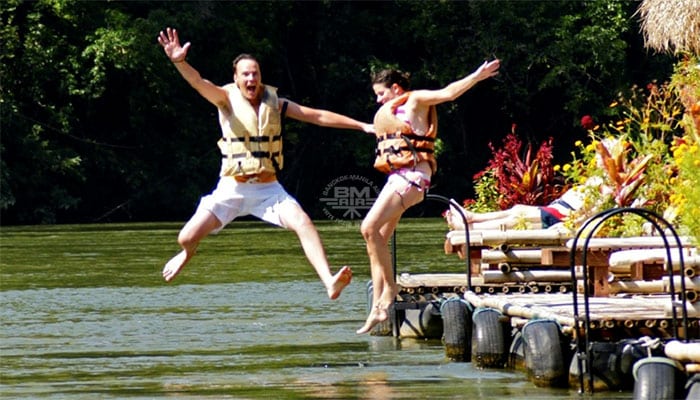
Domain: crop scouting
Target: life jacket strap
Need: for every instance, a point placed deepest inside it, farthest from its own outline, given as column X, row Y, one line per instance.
column 259, row 139
column 256, row 154
column 399, row 135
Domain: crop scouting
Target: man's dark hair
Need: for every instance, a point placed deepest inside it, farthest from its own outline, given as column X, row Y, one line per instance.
column 243, row 56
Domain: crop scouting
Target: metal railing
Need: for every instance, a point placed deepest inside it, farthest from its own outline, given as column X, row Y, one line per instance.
column 589, row 228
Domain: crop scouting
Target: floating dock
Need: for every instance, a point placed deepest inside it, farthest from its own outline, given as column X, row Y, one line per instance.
column 597, row 314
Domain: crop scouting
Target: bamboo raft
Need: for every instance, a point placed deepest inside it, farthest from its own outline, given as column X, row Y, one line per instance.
column 553, row 293
column 637, row 310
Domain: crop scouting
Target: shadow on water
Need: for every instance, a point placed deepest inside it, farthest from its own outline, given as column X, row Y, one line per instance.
column 85, row 314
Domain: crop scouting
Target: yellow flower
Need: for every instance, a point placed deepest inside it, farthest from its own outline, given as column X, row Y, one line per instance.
column 557, row 168
column 613, row 104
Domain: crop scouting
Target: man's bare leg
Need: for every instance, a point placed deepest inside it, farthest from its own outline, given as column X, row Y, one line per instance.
column 199, row 226
column 295, row 219
column 340, row 280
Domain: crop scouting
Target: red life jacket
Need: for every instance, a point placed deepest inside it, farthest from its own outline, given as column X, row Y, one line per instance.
column 397, row 145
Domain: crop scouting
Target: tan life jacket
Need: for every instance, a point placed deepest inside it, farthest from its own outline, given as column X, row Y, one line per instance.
column 397, row 145
column 251, row 143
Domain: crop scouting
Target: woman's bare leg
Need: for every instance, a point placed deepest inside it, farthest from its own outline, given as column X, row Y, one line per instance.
column 377, row 228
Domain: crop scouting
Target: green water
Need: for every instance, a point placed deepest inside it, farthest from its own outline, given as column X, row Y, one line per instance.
column 86, row 315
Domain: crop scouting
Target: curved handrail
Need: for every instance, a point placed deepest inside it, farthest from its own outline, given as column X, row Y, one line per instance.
column 456, row 206
column 601, row 217
column 453, row 203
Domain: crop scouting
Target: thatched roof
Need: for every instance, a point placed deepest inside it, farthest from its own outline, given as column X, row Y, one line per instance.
column 671, row 26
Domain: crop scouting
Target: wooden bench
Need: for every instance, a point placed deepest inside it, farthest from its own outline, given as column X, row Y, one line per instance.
column 599, row 274
column 551, row 248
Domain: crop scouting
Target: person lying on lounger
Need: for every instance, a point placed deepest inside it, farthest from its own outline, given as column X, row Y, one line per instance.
column 521, row 215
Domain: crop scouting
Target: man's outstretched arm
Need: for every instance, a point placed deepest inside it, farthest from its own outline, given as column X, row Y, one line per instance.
column 177, row 54
column 325, row 118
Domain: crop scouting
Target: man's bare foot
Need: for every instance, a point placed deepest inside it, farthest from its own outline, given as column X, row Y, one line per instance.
column 173, row 267
column 378, row 314
column 340, row 281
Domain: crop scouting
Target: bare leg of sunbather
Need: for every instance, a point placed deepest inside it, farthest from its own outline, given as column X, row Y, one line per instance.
column 198, row 227
column 506, row 219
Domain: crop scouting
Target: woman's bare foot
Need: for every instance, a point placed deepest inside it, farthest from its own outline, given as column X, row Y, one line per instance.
column 455, row 221
column 340, row 281
column 378, row 314
column 173, row 267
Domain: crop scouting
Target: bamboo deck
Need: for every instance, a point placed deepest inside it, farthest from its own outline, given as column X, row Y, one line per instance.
column 642, row 313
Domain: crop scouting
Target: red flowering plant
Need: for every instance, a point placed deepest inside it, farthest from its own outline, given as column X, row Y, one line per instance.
column 587, row 122
column 512, row 177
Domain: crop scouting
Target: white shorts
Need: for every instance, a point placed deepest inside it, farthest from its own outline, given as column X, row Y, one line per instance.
column 232, row 199
column 404, row 179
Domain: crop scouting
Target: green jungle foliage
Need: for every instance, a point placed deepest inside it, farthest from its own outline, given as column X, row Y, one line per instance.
column 97, row 126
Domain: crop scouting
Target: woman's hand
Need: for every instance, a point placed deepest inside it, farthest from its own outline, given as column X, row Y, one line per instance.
column 488, row 69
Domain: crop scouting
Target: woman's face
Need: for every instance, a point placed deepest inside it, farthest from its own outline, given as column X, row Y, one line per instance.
column 385, row 93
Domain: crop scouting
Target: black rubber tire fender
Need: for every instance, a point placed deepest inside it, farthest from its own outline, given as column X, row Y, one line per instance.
column 656, row 378
column 488, row 339
column 457, row 329
column 544, row 359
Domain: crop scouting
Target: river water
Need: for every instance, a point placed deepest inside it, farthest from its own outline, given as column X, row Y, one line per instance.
column 85, row 315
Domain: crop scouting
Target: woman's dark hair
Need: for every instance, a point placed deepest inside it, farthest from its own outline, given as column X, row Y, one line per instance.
column 244, row 56
column 388, row 77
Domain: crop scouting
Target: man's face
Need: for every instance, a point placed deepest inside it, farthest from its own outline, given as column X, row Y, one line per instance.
column 247, row 77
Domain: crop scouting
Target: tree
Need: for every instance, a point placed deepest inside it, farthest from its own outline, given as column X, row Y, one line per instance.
column 97, row 126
